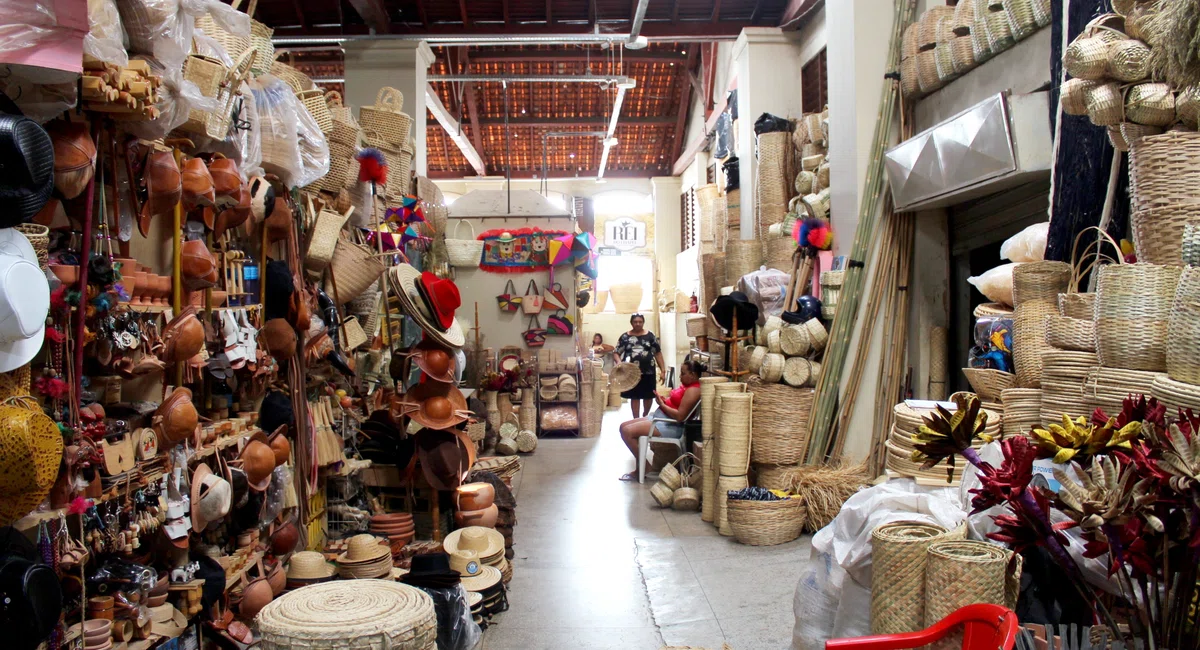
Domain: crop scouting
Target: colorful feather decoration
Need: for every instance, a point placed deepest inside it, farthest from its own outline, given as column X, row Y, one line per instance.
column 813, row 232
column 372, row 166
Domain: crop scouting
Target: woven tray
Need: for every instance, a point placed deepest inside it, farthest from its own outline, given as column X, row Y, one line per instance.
column 359, row 614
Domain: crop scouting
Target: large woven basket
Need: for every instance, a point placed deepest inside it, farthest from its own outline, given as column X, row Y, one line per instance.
column 767, row 523
column 1065, row 388
column 626, row 298
column 927, row 71
column 1187, row 106
column 964, row 572
column 742, row 256
column 1022, row 410
column 259, row 38
column 1164, row 170
column 1071, row 333
column 386, row 117
column 1183, row 329
column 345, row 128
column 735, row 442
column 1128, row 60
column 1074, row 94
column 1106, row 105
column 989, row 383
column 314, row 103
column 1036, row 286
column 1158, row 232
column 1020, row 18
column 899, row 556
column 1133, row 304
column 707, row 399
column 358, row 615
column 1175, row 394
column 724, row 485
column 801, row 372
column 780, row 415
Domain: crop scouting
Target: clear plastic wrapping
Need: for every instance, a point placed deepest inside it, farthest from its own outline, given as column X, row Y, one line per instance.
column 456, row 630
column 105, row 39
column 766, row 288
column 1029, row 245
column 177, row 98
column 314, row 148
column 243, row 143
column 996, row 283
column 45, row 34
column 205, row 45
column 278, row 126
column 159, row 28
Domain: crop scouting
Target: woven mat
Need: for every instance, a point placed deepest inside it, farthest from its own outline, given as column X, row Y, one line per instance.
column 899, row 552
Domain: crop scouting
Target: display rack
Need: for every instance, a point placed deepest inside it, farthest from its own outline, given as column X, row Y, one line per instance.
column 574, row 372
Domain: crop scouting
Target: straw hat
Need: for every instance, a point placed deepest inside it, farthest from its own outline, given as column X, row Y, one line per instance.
column 309, row 565
column 30, row 450
column 405, row 279
column 475, row 575
column 486, row 542
column 211, row 497
column 624, row 377
column 363, row 549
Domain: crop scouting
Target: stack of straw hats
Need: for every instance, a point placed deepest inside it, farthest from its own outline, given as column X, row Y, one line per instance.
column 366, row 556
column 475, row 601
column 486, row 543
column 308, row 568
column 900, row 446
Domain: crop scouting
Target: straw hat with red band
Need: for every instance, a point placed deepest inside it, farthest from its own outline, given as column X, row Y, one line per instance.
column 435, row 361
column 433, row 405
column 405, row 279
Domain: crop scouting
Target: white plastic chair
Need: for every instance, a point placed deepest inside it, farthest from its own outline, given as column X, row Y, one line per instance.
column 644, row 441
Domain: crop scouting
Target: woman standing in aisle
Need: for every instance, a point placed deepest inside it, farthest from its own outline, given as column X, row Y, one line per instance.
column 641, row 347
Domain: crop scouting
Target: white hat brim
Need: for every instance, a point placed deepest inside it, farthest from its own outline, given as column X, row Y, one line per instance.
column 18, row 353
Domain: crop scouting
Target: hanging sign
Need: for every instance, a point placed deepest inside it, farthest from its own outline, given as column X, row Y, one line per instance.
column 625, row 233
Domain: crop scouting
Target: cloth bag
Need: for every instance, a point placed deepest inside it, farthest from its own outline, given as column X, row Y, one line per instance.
column 535, row 335
column 508, row 300
column 559, row 325
column 532, row 301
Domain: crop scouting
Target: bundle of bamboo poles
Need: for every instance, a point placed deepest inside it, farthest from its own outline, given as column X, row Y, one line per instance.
column 820, row 439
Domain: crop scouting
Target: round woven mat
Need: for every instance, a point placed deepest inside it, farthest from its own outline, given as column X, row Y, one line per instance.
column 349, row 614
column 1176, row 394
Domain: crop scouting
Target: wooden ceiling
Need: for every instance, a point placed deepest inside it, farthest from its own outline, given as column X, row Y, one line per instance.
column 677, row 64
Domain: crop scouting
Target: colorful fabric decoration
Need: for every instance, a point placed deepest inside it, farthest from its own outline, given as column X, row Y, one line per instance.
column 409, row 211
column 560, row 249
column 517, row 251
column 813, row 232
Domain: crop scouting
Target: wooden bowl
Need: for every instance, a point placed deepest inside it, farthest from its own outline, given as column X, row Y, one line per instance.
column 475, row 496
column 156, row 600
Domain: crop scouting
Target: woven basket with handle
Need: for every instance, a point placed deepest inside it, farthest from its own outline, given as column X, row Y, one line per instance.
column 386, row 117
column 323, row 239
column 780, row 415
column 1183, row 329
column 465, row 253
column 356, row 267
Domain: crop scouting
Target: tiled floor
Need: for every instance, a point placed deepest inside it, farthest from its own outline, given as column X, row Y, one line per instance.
column 598, row 565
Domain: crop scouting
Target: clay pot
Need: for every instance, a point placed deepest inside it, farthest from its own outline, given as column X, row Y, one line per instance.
column 391, row 518
column 475, row 496
column 96, row 631
column 284, row 540
column 68, row 274
column 399, row 529
column 485, row 517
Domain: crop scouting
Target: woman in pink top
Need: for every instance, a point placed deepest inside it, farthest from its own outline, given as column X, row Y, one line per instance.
column 675, row 407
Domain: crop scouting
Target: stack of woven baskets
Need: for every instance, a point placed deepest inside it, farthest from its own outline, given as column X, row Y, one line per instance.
column 780, row 414
column 900, row 447
column 1111, row 83
column 946, row 42
column 733, row 410
column 788, row 352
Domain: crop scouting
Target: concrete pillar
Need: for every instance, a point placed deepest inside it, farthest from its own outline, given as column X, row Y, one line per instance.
column 767, row 63
column 667, row 238
column 404, row 65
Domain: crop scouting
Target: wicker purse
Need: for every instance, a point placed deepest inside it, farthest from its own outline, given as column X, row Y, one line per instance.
column 323, row 239
column 465, row 253
column 357, row 269
column 386, row 117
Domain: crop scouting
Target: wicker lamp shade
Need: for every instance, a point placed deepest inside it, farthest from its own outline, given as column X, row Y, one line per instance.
column 1133, row 304
column 899, row 558
column 363, row 614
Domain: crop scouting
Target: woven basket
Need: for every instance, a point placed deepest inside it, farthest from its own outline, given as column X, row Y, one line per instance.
column 345, row 128
column 1152, row 104
column 742, row 256
column 1187, row 106
column 944, row 56
column 774, row 168
column 314, row 102
column 356, row 268
column 356, row 615
column 999, row 31
column 1105, row 104
column 1022, row 410
column 1071, row 333
column 1132, row 132
column 299, row 81
column 767, row 523
column 734, row 454
column 1087, row 58
column 805, row 182
column 1176, row 395
column 930, row 24
column 725, row 485
column 800, row 372
column 927, row 71
column 663, row 494
column 1043, row 12
column 831, row 290
column 1077, row 305
column 1036, row 286
column 707, row 397
column 1074, row 96
column 989, row 383
column 1158, row 232
column 1190, row 253
column 963, row 572
column 626, row 298
column 1183, row 329
column 908, row 44
column 964, row 17
column 780, row 416
column 386, row 118
column 1020, row 18
column 962, row 54
column 816, row 134
column 1064, row 388
column 39, row 238
column 1164, row 170
column 899, row 556
column 464, row 253
column 1128, row 60
column 322, row 240
column 980, row 41
column 794, row 340
column 772, row 366
column 1133, row 303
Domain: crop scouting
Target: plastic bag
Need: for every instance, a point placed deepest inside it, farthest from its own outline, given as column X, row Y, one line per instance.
column 38, row 98
column 766, row 288
column 767, row 123
column 205, row 45
column 105, row 39
column 160, row 28
column 723, row 132
column 732, row 171
column 1029, row 245
column 996, row 284
column 278, row 126
column 176, row 100
column 43, row 35
column 314, row 148
column 456, row 629
column 243, row 143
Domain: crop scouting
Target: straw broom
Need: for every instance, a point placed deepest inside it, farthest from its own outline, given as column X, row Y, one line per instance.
column 843, row 324
column 825, row 489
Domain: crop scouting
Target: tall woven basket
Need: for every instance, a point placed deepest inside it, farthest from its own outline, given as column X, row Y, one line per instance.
column 387, row 118
column 1164, row 170
column 766, row 523
column 1133, row 305
column 1036, row 286
column 780, row 415
column 899, row 556
column 964, row 572
column 735, row 414
column 626, row 298
column 742, row 256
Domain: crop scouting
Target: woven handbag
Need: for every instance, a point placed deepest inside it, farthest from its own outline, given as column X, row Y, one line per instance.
column 559, row 325
column 464, row 252
column 323, row 239
column 531, row 302
column 352, row 334
column 554, row 298
column 508, row 300
column 357, row 269
column 535, row 335
column 386, row 117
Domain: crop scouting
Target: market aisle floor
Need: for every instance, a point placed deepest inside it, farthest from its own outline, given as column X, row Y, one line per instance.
column 599, row 566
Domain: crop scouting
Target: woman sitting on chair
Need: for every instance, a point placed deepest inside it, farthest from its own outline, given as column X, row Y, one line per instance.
column 676, row 407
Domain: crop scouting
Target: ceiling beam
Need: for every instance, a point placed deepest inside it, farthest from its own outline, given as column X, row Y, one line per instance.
column 507, row 16
column 454, row 130
column 757, row 14
column 597, row 123
column 655, row 31
column 491, row 55
column 421, row 13
column 716, row 14
column 549, row 12
column 797, row 10
column 374, row 14
column 592, row 15
column 685, row 100
column 472, row 102
column 674, row 10
column 462, row 12
column 555, row 174
column 299, row 12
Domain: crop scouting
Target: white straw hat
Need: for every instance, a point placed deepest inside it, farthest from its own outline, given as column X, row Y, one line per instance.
column 24, row 300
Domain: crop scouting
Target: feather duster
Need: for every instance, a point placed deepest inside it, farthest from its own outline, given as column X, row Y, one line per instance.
column 813, row 232
column 372, row 166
